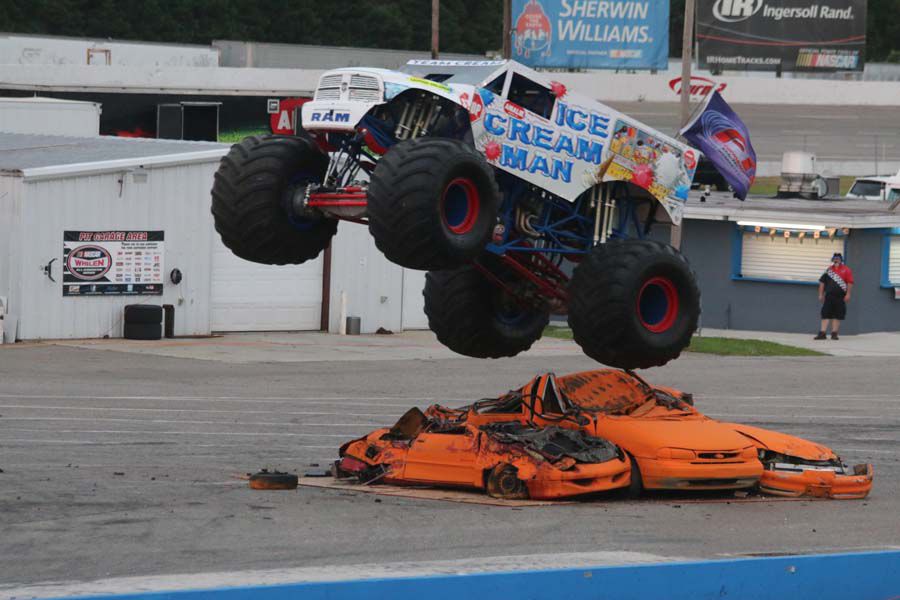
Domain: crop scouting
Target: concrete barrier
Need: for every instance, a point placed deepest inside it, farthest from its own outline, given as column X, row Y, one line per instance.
column 605, row 85
column 868, row 575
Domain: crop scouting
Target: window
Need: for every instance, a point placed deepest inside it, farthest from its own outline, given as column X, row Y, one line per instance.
column 531, row 96
column 496, row 86
column 867, row 188
column 793, row 259
column 891, row 268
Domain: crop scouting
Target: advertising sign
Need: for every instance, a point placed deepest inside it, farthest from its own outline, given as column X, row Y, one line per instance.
column 591, row 34
column 785, row 35
column 112, row 263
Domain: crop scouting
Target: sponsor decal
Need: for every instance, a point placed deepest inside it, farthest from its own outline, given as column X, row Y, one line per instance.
column 88, row 262
column 435, row 84
column 476, row 108
column 533, row 32
column 732, row 11
column 520, row 143
column 700, row 86
column 330, row 116
column 648, row 162
column 514, row 110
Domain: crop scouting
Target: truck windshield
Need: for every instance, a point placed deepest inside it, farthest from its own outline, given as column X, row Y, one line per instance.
column 867, row 188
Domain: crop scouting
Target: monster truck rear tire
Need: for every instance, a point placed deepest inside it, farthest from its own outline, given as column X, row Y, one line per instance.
column 473, row 317
column 251, row 194
column 432, row 204
column 633, row 304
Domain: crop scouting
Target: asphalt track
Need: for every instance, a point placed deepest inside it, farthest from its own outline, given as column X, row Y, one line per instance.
column 124, row 464
column 833, row 133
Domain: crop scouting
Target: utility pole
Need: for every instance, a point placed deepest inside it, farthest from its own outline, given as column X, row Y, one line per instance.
column 687, row 46
column 435, row 26
column 507, row 29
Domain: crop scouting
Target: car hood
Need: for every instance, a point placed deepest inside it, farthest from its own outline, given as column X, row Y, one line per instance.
column 783, row 443
column 643, row 437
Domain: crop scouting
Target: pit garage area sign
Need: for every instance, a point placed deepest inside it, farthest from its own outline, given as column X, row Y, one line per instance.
column 113, row 263
column 781, row 35
column 591, row 34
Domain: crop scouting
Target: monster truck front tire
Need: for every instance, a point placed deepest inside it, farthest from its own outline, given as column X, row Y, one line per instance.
column 432, row 204
column 251, row 194
column 633, row 304
column 473, row 317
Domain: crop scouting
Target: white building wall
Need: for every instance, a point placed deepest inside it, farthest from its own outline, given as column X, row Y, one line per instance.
column 10, row 256
column 36, row 50
column 174, row 199
column 373, row 285
column 49, row 116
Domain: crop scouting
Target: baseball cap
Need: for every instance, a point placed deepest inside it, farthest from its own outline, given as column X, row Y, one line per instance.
column 837, row 255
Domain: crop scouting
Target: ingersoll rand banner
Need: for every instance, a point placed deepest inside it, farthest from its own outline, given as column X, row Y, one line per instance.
column 591, row 34
column 781, row 35
column 104, row 263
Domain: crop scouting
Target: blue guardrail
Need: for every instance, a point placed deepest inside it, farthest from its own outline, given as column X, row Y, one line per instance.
column 851, row 576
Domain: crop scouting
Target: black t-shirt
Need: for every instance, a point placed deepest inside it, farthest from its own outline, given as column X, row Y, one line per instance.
column 832, row 287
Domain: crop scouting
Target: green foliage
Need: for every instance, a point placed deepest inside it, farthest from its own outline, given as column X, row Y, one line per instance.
column 470, row 26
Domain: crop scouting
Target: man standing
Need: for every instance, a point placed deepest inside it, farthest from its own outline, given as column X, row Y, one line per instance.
column 835, row 285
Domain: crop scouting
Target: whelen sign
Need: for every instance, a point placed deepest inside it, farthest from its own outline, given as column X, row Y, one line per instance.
column 785, row 35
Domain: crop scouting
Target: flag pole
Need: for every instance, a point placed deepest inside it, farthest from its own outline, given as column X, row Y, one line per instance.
column 687, row 46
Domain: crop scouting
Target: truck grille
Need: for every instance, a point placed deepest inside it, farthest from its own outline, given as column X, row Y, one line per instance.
column 353, row 87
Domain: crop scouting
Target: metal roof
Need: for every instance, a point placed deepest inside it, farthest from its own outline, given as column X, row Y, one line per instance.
column 36, row 156
column 829, row 212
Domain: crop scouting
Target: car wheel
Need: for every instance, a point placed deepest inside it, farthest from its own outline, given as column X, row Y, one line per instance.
column 635, row 489
column 503, row 482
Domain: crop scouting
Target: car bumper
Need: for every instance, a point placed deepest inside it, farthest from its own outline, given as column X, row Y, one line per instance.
column 681, row 475
column 549, row 482
column 818, row 484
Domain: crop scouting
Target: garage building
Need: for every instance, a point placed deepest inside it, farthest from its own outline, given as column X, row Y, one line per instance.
column 62, row 197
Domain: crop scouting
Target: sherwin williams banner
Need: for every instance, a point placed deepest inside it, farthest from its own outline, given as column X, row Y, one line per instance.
column 591, row 34
column 785, row 35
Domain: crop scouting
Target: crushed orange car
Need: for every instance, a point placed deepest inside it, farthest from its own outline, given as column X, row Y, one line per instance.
column 531, row 436
column 507, row 459
column 797, row 467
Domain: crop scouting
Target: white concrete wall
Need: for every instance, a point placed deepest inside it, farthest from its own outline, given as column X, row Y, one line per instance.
column 606, row 86
column 373, row 285
column 174, row 199
column 18, row 49
column 170, row 80
column 10, row 256
column 49, row 116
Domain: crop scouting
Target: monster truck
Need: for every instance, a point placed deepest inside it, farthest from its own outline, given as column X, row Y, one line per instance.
column 499, row 183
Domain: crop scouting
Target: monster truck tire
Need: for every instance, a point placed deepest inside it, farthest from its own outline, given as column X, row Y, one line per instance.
column 466, row 312
column 432, row 204
column 633, row 304
column 250, row 194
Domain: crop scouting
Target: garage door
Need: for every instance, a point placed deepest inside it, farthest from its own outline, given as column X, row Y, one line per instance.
column 251, row 297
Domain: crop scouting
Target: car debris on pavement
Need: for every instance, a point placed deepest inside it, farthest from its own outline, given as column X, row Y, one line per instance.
column 594, row 431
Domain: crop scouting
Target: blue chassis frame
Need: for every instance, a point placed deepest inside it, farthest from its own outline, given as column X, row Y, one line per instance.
column 563, row 225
